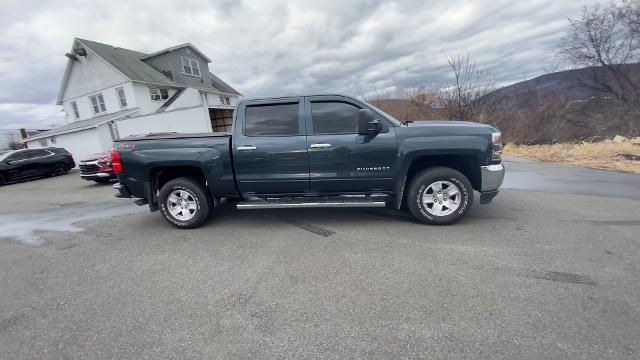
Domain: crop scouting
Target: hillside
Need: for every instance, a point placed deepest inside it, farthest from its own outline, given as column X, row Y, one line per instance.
column 562, row 106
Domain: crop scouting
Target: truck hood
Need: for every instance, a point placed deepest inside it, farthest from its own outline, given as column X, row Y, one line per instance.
column 415, row 123
column 445, row 128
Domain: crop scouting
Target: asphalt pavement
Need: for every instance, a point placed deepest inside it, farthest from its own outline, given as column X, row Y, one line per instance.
column 548, row 270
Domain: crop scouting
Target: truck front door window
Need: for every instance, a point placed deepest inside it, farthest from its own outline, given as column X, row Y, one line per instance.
column 334, row 118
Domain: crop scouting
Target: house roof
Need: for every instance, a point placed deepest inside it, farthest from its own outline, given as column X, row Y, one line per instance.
column 82, row 124
column 170, row 49
column 130, row 63
column 222, row 86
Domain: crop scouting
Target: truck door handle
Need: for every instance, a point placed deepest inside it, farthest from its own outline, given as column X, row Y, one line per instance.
column 319, row 146
column 246, row 148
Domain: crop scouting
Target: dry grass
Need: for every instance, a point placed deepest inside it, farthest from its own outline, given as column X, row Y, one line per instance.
column 594, row 155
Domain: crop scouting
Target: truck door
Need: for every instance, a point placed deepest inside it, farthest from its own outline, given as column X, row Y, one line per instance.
column 270, row 147
column 340, row 160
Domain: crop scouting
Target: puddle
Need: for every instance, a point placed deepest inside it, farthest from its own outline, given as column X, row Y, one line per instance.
column 22, row 226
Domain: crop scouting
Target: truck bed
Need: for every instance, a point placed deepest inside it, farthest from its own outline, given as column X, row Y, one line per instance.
column 172, row 136
column 148, row 159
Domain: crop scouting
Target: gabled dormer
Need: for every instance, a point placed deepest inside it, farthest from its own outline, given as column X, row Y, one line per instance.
column 184, row 64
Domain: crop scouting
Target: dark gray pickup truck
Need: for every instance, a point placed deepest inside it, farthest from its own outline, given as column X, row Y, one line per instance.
column 313, row 151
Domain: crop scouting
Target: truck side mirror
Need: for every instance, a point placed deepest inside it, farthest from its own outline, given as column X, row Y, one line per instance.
column 367, row 123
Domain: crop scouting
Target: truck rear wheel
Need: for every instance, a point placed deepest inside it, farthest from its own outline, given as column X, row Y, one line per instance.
column 439, row 196
column 185, row 203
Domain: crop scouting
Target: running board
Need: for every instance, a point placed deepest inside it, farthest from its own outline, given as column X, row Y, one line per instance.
column 331, row 202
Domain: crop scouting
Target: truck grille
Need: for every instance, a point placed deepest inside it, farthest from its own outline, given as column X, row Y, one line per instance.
column 89, row 168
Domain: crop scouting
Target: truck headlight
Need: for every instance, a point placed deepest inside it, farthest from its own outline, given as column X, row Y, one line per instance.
column 496, row 140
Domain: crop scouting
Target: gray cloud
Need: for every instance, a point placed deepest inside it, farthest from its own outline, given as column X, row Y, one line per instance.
column 281, row 47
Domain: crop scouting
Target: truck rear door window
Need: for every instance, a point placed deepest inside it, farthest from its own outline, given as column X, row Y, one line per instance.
column 271, row 120
column 334, row 118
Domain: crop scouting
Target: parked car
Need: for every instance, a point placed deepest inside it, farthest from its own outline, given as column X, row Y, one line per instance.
column 31, row 163
column 97, row 167
column 314, row 151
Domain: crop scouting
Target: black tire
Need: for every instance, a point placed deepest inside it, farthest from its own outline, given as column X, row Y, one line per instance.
column 102, row 181
column 59, row 169
column 3, row 180
column 420, row 187
column 197, row 191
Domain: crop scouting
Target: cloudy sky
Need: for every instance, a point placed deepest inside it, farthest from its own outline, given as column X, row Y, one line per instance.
column 281, row 47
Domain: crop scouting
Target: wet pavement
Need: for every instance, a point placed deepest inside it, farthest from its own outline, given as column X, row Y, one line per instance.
column 24, row 226
column 555, row 178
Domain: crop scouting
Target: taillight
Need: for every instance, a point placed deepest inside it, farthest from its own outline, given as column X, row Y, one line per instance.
column 116, row 162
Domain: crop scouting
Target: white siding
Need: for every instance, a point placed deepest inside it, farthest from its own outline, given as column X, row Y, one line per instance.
column 111, row 101
column 104, row 135
column 189, row 98
column 214, row 99
column 87, row 76
column 143, row 98
column 191, row 120
column 90, row 74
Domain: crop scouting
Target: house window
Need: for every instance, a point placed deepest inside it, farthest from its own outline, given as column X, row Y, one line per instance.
column 190, row 66
column 97, row 101
column 159, row 94
column 74, row 107
column 224, row 100
column 121, row 97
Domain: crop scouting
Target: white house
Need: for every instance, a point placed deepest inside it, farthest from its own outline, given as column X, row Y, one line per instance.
column 109, row 92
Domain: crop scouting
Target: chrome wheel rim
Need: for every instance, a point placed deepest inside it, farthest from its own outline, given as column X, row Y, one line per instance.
column 182, row 205
column 441, row 198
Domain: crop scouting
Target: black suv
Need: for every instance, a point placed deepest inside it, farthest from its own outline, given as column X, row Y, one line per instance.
column 31, row 163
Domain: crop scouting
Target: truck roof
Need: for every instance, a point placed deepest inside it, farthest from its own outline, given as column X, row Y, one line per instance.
column 297, row 95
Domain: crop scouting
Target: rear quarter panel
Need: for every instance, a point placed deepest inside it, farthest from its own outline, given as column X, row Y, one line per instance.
column 210, row 154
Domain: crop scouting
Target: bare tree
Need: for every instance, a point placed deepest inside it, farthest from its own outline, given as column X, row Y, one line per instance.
column 630, row 13
column 605, row 39
column 468, row 86
column 12, row 143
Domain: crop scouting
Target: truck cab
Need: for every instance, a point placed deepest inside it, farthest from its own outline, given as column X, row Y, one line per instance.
column 311, row 145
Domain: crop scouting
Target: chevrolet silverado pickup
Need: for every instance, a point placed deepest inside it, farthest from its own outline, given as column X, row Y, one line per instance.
column 313, row 151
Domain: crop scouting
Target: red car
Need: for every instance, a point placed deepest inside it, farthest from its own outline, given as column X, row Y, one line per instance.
column 97, row 167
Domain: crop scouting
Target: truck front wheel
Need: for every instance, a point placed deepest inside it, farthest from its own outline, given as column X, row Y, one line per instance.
column 439, row 196
column 185, row 203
